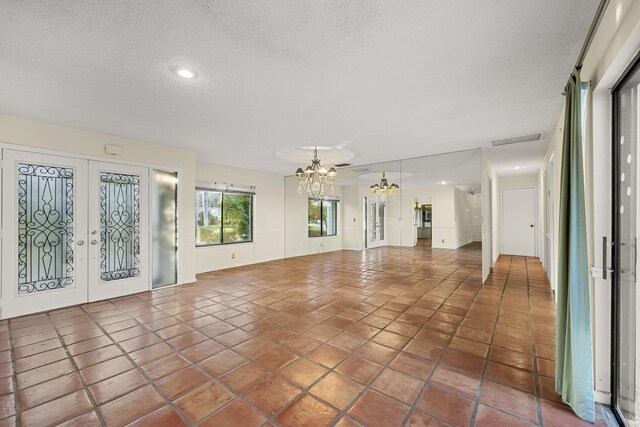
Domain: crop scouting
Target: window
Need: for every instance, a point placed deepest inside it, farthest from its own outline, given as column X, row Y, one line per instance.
column 223, row 217
column 323, row 218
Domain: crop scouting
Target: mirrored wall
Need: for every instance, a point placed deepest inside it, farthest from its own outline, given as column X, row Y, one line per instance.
column 437, row 206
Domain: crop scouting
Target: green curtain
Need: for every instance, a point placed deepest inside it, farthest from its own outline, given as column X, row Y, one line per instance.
column 574, row 365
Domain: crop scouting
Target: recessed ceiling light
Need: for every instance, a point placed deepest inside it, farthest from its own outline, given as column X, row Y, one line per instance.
column 516, row 167
column 185, row 73
column 443, row 182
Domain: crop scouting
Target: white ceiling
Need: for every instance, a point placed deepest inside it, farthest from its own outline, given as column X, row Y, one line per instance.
column 386, row 79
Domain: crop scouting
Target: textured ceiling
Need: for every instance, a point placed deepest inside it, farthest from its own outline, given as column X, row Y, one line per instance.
column 386, row 79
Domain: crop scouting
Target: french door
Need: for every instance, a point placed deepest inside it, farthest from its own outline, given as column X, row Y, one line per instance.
column 376, row 220
column 625, row 295
column 73, row 231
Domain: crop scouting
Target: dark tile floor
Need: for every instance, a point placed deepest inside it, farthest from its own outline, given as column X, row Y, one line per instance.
column 378, row 338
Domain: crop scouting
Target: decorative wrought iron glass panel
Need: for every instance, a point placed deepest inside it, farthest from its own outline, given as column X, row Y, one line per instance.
column 119, row 226
column 45, row 228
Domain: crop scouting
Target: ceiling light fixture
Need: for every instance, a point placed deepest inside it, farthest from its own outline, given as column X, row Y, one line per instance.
column 185, row 73
column 383, row 192
column 443, row 182
column 316, row 180
column 517, row 167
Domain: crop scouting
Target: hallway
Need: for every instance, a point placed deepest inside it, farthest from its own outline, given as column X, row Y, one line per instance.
column 382, row 337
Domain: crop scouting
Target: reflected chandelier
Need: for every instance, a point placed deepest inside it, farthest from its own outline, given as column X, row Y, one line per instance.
column 316, row 180
column 383, row 192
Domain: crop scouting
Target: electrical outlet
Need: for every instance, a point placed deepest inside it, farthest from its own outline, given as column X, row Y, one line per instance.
column 233, row 255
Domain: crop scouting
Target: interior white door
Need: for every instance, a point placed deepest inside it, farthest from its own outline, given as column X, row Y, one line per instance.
column 44, row 247
column 518, row 221
column 118, row 230
column 376, row 223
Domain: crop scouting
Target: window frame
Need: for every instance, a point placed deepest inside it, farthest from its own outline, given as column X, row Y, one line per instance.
column 335, row 213
column 222, row 194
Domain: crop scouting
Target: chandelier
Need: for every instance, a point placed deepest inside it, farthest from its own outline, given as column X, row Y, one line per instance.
column 316, row 180
column 383, row 192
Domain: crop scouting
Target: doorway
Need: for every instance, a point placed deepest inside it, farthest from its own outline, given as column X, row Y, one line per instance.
column 625, row 339
column 518, row 221
column 375, row 220
column 77, row 229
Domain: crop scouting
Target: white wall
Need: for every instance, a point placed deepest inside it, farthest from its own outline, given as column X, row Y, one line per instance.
column 268, row 219
column 491, row 234
column 30, row 133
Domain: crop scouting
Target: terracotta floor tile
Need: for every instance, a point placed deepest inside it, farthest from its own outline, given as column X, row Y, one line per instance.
column 245, row 376
column 507, row 399
column 303, row 372
column 151, row 353
column 104, row 370
column 40, row 359
column 233, row 338
column 560, row 415
column 374, row 409
column 390, row 339
column 359, row 369
column 89, row 345
column 100, row 355
column 237, row 413
column 456, row 381
column 181, row 382
column 468, row 346
column 131, row 406
column 7, row 406
column 276, row 358
column 336, row 390
column 126, row 334
column 90, row 419
column 489, row 417
column 49, row 390
column 36, row 348
column 272, row 395
column 300, row 344
column 412, row 365
column 376, row 353
column 163, row 417
column 58, row 410
column 512, row 358
column 6, row 386
column 445, row 405
column 517, row 378
column 139, row 342
column 433, row 337
column 222, row 362
column 202, row 350
column 327, row 355
column 117, row 386
column 165, row 366
column 420, row 419
column 469, row 363
column 44, row 373
column 398, row 385
column 204, row 400
column 307, row 411
column 322, row 333
column 424, row 349
column 187, row 340
column 363, row 331
column 253, row 347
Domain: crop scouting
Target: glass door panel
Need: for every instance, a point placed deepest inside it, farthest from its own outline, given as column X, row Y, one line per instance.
column 165, row 228
column 625, row 232
column 376, row 223
column 118, row 230
column 44, row 251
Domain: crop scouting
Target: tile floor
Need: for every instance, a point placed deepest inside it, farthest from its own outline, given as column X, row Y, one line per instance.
column 379, row 338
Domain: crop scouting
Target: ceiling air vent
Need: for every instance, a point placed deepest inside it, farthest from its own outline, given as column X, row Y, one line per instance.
column 517, row 139
column 361, row 170
column 343, row 165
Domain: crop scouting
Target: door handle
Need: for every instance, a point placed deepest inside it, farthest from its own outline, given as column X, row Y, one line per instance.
column 94, row 242
column 80, row 242
column 531, row 225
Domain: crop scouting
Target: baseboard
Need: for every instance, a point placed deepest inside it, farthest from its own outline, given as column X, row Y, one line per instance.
column 603, row 397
